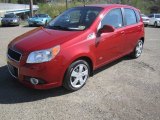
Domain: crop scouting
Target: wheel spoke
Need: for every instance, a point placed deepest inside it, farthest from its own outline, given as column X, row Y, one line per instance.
column 80, row 68
column 74, row 74
column 84, row 73
column 81, row 81
column 75, row 82
column 140, row 45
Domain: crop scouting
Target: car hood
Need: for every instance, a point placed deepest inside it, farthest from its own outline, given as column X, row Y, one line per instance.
column 42, row 38
column 145, row 17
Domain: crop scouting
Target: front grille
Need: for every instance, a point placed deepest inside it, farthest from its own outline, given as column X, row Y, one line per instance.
column 14, row 55
column 13, row 70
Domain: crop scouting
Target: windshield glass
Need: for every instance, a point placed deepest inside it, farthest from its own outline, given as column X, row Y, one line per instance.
column 157, row 16
column 9, row 16
column 41, row 15
column 79, row 18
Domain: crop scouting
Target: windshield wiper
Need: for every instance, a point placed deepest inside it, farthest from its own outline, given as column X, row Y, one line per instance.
column 58, row 27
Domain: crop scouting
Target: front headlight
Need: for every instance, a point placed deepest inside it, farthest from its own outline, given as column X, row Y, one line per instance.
column 43, row 55
column 15, row 20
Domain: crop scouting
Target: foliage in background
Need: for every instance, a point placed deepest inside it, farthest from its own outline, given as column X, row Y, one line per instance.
column 55, row 7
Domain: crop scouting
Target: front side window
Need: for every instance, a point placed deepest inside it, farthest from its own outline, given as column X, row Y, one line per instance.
column 113, row 18
column 130, row 16
column 79, row 18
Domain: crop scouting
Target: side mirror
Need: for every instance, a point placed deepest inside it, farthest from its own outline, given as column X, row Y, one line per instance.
column 107, row 29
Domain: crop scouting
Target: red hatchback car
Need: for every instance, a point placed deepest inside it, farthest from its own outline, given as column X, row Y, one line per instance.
column 73, row 45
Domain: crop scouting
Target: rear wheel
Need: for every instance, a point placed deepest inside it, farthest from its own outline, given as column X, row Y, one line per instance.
column 138, row 50
column 155, row 25
column 76, row 75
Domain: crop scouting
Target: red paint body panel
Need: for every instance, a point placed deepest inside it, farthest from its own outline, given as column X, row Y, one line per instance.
column 74, row 44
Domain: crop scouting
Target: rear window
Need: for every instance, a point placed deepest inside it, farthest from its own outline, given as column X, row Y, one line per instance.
column 130, row 16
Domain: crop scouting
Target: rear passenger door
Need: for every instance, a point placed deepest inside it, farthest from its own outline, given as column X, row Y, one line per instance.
column 133, row 28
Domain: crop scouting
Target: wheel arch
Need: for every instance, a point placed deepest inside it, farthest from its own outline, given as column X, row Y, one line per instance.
column 85, row 58
column 88, row 60
column 142, row 38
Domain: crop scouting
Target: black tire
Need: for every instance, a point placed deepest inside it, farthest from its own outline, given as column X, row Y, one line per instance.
column 45, row 23
column 136, row 53
column 68, row 83
column 145, row 25
column 155, row 25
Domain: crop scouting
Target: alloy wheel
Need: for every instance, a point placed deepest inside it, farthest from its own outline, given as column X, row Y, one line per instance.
column 79, row 75
column 139, row 48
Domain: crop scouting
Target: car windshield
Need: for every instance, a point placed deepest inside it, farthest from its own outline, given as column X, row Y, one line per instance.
column 157, row 16
column 75, row 19
column 9, row 16
column 41, row 15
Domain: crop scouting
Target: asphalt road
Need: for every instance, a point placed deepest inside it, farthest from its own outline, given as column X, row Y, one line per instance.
column 124, row 90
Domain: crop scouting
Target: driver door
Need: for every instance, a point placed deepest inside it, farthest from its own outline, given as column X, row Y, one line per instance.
column 110, row 46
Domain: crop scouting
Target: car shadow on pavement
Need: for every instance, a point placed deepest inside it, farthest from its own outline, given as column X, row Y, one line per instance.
column 11, row 91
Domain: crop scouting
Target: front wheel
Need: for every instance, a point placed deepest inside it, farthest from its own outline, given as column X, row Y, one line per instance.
column 45, row 23
column 76, row 75
column 138, row 50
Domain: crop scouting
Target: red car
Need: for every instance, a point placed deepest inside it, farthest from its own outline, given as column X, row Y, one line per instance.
column 73, row 45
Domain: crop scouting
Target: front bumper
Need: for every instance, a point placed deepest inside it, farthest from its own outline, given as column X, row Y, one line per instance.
column 146, row 22
column 9, row 23
column 36, row 23
column 50, row 72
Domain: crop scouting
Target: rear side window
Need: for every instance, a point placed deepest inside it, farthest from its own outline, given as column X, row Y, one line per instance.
column 113, row 18
column 130, row 16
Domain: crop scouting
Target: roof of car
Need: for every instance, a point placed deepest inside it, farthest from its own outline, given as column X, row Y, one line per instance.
column 109, row 5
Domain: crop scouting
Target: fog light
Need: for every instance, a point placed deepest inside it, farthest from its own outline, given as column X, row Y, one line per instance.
column 34, row 81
